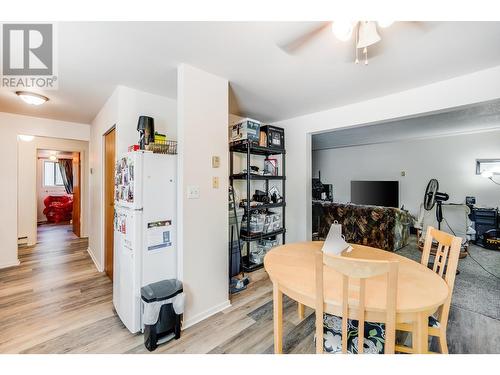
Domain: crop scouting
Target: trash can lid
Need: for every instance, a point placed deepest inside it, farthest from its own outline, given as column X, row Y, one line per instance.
column 161, row 290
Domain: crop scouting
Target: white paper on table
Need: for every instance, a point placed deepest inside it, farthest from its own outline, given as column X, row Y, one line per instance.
column 335, row 243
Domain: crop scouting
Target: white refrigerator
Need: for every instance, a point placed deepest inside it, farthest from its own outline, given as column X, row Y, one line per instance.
column 145, row 229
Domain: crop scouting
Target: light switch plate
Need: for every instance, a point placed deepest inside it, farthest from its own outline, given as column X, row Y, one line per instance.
column 215, row 182
column 193, row 192
column 215, row 161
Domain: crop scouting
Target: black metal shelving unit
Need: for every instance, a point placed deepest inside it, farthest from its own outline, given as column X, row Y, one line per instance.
column 249, row 149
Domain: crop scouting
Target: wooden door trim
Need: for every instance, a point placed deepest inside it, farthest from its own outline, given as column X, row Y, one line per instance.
column 108, row 200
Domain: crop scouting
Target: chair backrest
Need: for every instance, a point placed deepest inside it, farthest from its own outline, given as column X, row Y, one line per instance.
column 361, row 269
column 446, row 258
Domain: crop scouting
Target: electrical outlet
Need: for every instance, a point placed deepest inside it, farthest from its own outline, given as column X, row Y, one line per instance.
column 215, row 182
column 215, row 161
column 193, row 192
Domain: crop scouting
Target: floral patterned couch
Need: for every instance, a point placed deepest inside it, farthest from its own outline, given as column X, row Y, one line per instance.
column 381, row 227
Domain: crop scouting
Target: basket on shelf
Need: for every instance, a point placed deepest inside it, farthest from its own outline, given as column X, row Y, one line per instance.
column 163, row 147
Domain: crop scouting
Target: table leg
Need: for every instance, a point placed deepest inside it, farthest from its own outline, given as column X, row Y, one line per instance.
column 278, row 319
column 421, row 334
column 301, row 310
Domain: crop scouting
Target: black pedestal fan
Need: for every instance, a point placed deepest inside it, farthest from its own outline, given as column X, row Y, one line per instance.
column 433, row 196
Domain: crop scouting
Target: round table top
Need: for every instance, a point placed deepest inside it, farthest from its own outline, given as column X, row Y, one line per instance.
column 292, row 266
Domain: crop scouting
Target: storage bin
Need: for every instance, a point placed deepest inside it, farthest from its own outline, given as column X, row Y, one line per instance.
column 248, row 129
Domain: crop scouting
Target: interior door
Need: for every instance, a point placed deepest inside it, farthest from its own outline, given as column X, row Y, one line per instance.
column 77, row 180
column 109, row 201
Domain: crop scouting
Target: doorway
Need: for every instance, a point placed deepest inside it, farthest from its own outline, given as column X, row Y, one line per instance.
column 109, row 199
column 58, row 190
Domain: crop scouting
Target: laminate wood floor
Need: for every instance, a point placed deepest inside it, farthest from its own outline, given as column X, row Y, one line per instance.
column 57, row 302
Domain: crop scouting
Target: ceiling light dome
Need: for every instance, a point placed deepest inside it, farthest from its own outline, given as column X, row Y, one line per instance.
column 342, row 30
column 32, row 98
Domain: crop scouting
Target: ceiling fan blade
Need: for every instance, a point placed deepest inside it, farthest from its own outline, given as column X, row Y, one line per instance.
column 296, row 44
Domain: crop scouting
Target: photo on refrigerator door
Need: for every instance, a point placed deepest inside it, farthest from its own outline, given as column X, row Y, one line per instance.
column 158, row 234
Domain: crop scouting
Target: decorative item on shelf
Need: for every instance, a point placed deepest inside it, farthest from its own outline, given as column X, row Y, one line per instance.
column 146, row 129
column 275, row 137
column 335, row 242
column 271, row 167
column 133, row 148
column 263, row 139
column 163, row 147
column 247, row 129
column 275, row 195
column 160, row 137
column 261, row 196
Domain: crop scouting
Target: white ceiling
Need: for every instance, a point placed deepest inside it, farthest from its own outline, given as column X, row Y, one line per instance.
column 469, row 119
column 267, row 83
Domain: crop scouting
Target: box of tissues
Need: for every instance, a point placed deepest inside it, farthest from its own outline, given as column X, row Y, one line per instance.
column 335, row 242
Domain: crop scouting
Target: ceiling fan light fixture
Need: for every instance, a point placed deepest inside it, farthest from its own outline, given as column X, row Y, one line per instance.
column 342, row 30
column 385, row 23
column 31, row 97
column 367, row 34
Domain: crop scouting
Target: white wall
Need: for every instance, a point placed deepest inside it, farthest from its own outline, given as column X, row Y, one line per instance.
column 451, row 160
column 122, row 110
column 203, row 116
column 472, row 88
column 28, row 186
column 11, row 126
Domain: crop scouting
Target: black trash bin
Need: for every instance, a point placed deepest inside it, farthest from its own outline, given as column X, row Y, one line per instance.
column 163, row 304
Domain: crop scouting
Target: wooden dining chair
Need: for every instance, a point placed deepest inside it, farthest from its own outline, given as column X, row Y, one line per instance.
column 445, row 265
column 353, row 304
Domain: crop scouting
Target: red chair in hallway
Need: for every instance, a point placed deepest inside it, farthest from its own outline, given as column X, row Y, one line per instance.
column 58, row 208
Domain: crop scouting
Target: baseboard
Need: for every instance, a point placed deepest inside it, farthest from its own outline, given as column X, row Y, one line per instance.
column 206, row 314
column 96, row 263
column 10, row 264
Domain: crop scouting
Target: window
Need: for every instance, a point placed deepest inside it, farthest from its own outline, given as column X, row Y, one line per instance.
column 488, row 166
column 52, row 174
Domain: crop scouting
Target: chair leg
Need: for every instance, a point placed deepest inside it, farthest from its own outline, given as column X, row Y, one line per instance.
column 443, row 344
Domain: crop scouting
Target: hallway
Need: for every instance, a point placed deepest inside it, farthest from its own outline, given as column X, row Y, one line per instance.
column 55, row 290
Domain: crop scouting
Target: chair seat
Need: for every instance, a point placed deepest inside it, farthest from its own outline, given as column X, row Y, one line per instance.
column 332, row 336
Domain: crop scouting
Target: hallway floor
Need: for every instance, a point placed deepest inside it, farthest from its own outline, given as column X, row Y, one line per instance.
column 57, row 302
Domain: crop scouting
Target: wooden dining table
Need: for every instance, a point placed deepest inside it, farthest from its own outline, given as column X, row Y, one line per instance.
column 291, row 268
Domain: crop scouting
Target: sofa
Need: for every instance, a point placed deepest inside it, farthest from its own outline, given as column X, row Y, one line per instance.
column 385, row 228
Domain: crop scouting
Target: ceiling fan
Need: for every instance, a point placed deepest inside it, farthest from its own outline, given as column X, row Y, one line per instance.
column 366, row 34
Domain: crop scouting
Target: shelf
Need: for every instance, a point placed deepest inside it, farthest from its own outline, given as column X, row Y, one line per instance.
column 260, row 236
column 264, row 206
column 256, row 150
column 250, row 266
column 243, row 176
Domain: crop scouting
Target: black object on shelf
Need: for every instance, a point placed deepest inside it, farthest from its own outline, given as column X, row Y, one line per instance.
column 146, row 129
column 485, row 219
column 275, row 137
column 249, row 149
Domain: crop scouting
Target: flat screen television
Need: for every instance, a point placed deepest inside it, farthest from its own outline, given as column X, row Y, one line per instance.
column 375, row 193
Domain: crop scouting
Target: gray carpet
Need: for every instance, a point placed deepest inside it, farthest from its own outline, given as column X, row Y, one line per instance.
column 474, row 323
